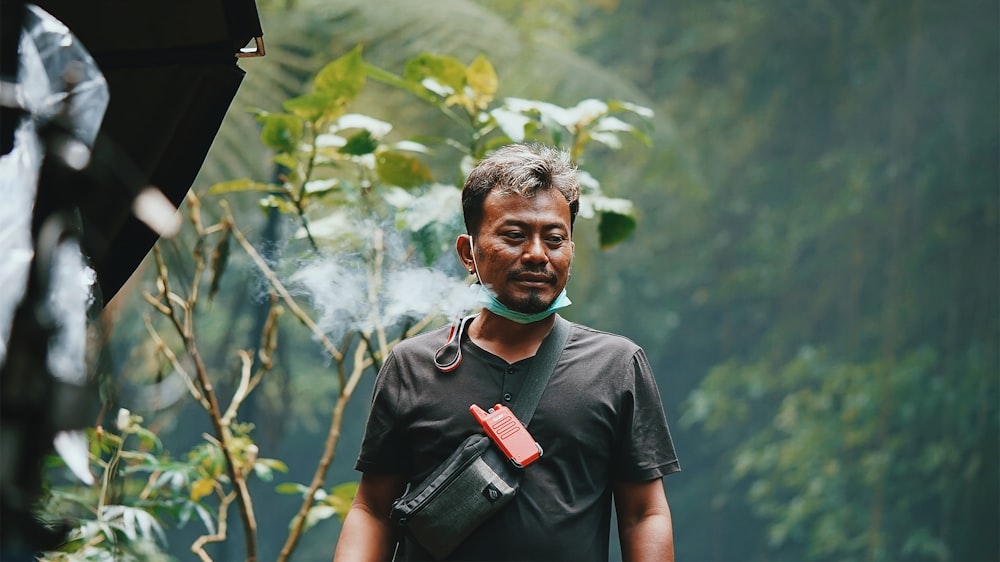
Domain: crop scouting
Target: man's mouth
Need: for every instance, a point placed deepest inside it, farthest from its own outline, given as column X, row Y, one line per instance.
column 534, row 278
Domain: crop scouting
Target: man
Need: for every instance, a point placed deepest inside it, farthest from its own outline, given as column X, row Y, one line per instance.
column 599, row 421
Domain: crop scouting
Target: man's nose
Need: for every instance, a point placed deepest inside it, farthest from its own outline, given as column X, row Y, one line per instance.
column 534, row 252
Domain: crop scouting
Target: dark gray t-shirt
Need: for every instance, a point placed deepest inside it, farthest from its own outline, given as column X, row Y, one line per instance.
column 599, row 421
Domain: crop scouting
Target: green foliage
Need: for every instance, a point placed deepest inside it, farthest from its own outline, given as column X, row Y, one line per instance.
column 319, row 144
column 280, row 132
column 445, row 82
column 402, row 170
column 341, row 81
column 142, row 487
column 336, row 501
column 824, row 445
column 826, row 242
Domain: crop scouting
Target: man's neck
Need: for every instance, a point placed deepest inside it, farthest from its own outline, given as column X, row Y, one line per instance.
column 509, row 340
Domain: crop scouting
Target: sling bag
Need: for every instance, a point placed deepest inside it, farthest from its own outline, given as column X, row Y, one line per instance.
column 476, row 481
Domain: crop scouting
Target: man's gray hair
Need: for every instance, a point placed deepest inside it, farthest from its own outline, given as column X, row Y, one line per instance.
column 519, row 169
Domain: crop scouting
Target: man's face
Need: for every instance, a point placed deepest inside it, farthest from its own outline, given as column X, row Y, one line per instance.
column 523, row 250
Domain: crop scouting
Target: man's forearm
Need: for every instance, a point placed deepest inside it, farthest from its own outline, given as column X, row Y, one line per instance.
column 364, row 537
column 645, row 527
column 367, row 534
column 648, row 539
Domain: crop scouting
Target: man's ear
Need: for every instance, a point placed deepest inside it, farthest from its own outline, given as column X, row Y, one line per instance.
column 463, row 246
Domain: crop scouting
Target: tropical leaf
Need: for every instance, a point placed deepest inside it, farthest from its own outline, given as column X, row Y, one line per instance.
column 318, row 513
column 401, row 169
column 201, row 488
column 281, row 132
column 482, row 80
column 615, row 228
column 446, row 71
column 313, row 106
column 240, row 185
column 291, row 488
column 341, row 497
column 342, row 79
column 360, row 143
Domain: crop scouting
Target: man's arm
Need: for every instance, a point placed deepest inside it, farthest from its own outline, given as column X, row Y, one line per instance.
column 368, row 535
column 644, row 525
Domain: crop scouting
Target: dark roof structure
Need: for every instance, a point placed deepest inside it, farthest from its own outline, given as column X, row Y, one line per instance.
column 172, row 72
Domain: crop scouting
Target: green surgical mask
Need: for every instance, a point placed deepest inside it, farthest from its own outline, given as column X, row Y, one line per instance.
column 490, row 302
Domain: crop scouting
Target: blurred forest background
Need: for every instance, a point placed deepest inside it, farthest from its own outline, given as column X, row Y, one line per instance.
column 814, row 275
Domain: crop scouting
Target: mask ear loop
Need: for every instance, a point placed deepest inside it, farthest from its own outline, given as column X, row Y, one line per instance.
column 472, row 253
column 449, row 356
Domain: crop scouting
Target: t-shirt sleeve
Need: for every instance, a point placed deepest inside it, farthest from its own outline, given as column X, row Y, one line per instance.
column 382, row 449
column 645, row 450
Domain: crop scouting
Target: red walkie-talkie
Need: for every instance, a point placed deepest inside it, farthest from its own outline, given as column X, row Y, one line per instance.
column 503, row 427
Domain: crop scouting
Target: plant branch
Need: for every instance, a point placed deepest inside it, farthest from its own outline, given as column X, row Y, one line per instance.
column 174, row 362
column 286, row 297
column 242, row 390
column 268, row 341
column 163, row 285
column 198, row 546
column 110, row 468
column 222, row 431
column 336, row 423
column 329, row 449
column 374, row 285
column 300, row 198
column 371, row 354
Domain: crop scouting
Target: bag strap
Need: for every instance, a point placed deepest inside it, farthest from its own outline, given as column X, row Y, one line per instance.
column 541, row 368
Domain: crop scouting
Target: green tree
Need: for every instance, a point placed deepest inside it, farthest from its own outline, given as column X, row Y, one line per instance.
column 829, row 260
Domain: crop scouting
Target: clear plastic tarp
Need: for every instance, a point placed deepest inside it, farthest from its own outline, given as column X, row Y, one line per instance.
column 57, row 82
column 58, row 86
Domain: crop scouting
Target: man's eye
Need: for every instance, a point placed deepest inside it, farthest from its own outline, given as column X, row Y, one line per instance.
column 515, row 235
column 556, row 239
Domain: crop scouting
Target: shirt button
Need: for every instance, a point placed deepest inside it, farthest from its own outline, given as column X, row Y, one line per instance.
column 510, row 370
column 507, row 397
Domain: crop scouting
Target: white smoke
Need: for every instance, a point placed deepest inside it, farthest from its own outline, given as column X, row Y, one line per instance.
column 415, row 293
column 338, row 292
column 340, row 288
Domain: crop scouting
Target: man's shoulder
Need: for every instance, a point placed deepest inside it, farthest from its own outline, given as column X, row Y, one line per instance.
column 587, row 335
column 422, row 342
